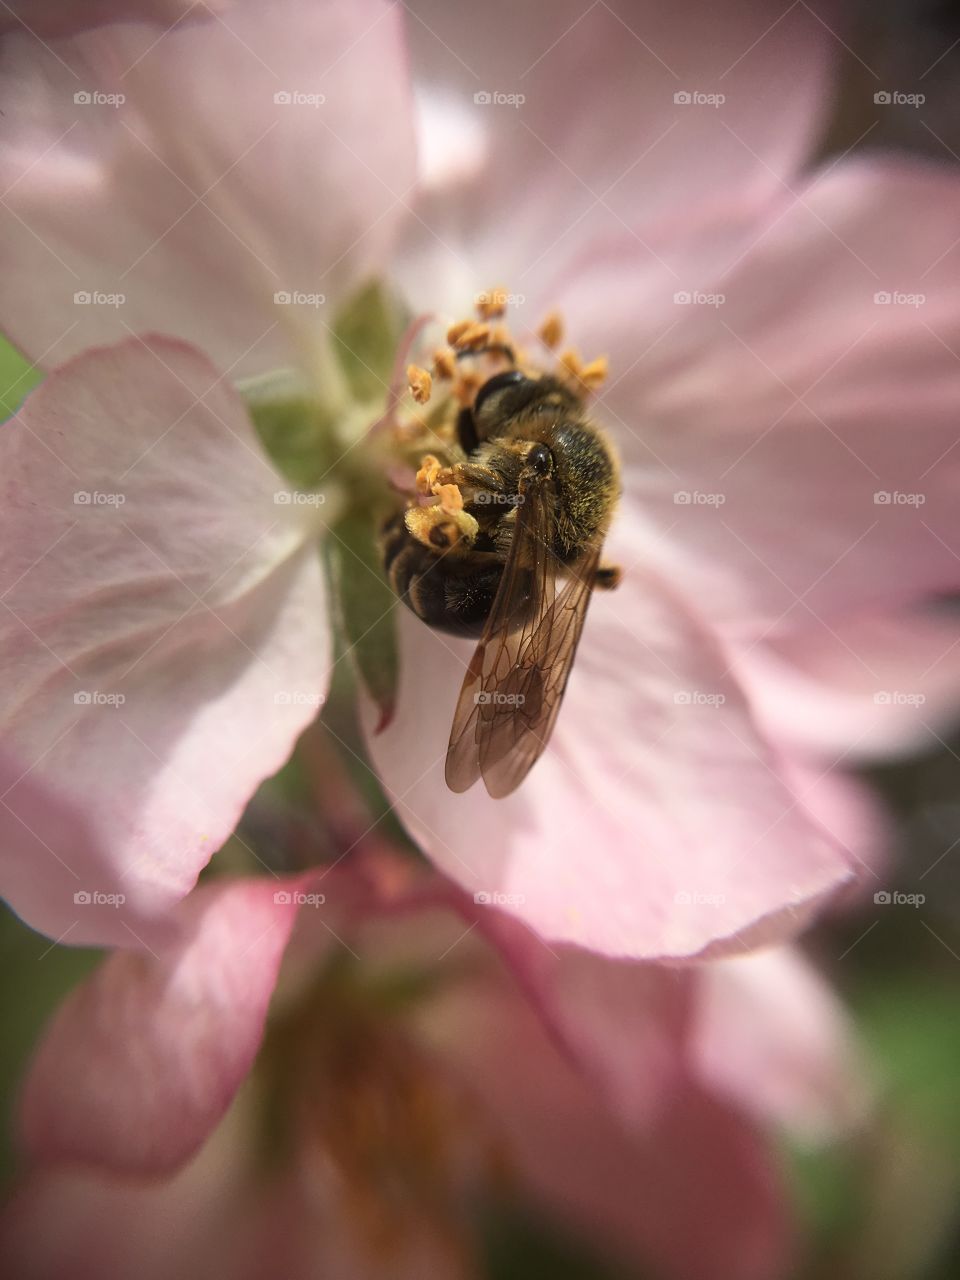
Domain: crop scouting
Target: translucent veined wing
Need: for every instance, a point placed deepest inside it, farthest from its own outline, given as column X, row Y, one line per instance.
column 515, row 682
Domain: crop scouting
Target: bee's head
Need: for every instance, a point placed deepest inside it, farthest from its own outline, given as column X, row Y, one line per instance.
column 500, row 398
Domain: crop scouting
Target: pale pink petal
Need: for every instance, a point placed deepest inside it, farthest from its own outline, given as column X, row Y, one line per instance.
column 143, row 1059
column 852, row 813
column 542, row 128
column 622, row 1024
column 792, row 447
column 163, row 637
column 694, row 1193
column 220, row 181
column 656, row 823
column 769, row 1033
column 865, row 686
column 55, row 868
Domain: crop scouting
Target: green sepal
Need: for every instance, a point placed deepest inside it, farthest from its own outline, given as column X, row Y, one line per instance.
column 368, row 332
column 366, row 608
column 17, row 377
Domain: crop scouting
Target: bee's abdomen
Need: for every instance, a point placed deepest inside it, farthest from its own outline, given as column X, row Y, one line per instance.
column 444, row 591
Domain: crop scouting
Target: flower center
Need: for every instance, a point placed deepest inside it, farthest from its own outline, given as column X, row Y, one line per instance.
column 387, row 1142
column 481, row 357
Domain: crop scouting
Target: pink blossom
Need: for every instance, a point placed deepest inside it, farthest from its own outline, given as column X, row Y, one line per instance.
column 396, row 1037
column 761, row 398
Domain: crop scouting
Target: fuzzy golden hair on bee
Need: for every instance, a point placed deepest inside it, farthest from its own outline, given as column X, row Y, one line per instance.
column 504, row 543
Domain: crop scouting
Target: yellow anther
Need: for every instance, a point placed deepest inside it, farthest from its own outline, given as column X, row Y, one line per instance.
column 466, row 387
column 473, row 336
column 456, row 331
column 444, row 363
column 439, row 528
column 420, row 383
column 451, row 499
column 430, row 468
column 492, row 303
column 594, row 373
column 570, row 360
column 550, row 332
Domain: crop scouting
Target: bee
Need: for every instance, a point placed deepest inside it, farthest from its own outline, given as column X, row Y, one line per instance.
column 542, row 483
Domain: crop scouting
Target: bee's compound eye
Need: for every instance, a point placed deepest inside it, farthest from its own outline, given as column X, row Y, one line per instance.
column 540, row 458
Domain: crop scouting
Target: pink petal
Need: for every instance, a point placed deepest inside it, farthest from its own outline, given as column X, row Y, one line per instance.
column 865, row 686
column 53, row 852
column 511, row 189
column 850, row 812
column 163, row 643
column 770, row 1034
column 622, row 1024
column 759, row 432
column 200, row 197
column 655, row 825
column 63, row 17
column 143, row 1059
column 692, row 1194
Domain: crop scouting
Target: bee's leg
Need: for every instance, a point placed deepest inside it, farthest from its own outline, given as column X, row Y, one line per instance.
column 608, row 576
column 474, row 475
column 467, row 430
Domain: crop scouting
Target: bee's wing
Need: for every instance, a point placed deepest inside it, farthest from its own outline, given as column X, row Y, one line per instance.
column 513, row 687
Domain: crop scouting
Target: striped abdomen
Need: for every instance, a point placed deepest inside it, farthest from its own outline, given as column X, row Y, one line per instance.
column 447, row 591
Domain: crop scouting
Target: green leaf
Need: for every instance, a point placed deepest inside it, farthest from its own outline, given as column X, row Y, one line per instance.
column 298, row 434
column 17, row 377
column 368, row 331
column 366, row 605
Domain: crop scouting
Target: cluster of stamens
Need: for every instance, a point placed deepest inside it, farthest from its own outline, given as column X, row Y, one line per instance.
column 438, row 518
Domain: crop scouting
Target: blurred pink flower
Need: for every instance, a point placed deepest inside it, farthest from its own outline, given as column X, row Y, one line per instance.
column 45, row 18
column 762, row 399
column 408, row 1081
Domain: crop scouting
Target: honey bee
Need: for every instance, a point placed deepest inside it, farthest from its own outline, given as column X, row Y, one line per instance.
column 541, row 482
